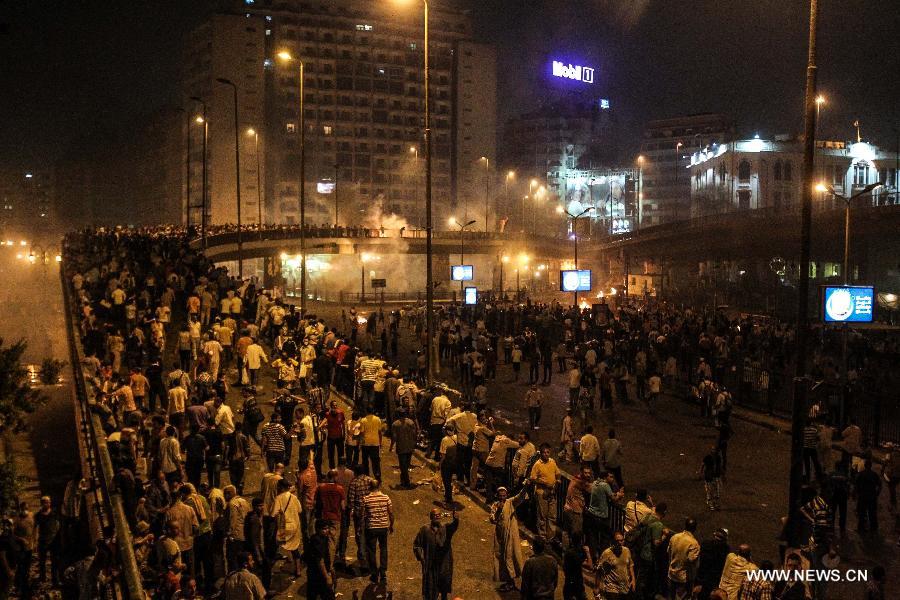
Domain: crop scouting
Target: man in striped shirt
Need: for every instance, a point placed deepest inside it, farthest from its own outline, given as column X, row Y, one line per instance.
column 368, row 372
column 273, row 436
column 356, row 491
column 378, row 517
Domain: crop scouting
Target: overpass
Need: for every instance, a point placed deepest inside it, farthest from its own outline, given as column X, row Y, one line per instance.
column 273, row 241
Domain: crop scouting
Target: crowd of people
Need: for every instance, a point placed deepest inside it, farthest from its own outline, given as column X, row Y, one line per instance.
column 166, row 335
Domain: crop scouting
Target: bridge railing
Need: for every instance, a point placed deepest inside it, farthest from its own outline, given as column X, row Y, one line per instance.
column 254, row 235
column 104, row 502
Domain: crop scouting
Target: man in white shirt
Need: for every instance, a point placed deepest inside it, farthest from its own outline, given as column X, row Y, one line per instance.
column 213, row 349
column 255, row 358
column 440, row 408
column 589, row 448
column 523, row 456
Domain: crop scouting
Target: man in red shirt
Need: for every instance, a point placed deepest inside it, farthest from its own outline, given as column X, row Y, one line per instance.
column 330, row 504
column 335, row 425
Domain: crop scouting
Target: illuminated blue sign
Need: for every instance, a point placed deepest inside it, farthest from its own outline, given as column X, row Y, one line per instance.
column 575, row 281
column 570, row 71
column 848, row 304
column 471, row 295
column 462, row 272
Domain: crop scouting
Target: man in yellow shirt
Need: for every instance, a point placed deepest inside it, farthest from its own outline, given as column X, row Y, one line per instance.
column 545, row 475
column 371, row 430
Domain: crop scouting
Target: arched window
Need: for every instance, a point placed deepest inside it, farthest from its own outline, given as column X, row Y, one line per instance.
column 722, row 174
column 776, row 170
column 744, row 171
column 788, row 168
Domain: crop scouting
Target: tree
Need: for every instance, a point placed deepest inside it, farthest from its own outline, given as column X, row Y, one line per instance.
column 17, row 399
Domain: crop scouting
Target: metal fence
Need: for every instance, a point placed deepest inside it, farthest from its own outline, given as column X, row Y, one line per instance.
column 102, row 496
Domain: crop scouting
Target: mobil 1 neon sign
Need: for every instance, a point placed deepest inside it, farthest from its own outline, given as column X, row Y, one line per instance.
column 574, row 72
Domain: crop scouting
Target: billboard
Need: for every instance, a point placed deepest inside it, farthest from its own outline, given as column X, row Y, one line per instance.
column 462, row 272
column 471, row 295
column 611, row 193
column 847, row 303
column 575, row 281
column 325, row 186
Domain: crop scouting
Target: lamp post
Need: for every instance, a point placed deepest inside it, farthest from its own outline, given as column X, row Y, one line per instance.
column 202, row 120
column 640, row 191
column 561, row 210
column 509, row 175
column 259, row 222
column 286, row 57
column 487, row 192
column 430, row 358
column 798, row 416
column 503, row 260
column 677, row 148
column 415, row 152
column 462, row 245
column 237, row 174
column 187, row 172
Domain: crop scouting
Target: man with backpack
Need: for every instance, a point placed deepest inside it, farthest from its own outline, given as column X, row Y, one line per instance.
column 643, row 541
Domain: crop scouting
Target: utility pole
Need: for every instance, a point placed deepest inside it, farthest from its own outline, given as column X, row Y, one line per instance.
column 800, row 381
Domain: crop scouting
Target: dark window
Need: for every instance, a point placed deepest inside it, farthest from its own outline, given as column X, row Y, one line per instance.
column 776, row 171
column 744, row 171
column 788, row 170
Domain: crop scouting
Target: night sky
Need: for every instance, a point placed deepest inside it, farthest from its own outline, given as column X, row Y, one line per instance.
column 75, row 71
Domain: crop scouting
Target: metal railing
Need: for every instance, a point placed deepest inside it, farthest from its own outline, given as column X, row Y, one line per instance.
column 103, row 497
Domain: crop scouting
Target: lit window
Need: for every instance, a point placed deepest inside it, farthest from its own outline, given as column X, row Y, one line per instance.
column 268, row 32
column 365, row 27
column 327, row 129
column 267, row 63
column 861, row 173
column 290, row 127
column 249, row 2
column 268, row 17
column 413, row 46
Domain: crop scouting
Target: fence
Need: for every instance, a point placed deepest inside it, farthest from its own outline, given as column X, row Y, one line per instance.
column 102, row 496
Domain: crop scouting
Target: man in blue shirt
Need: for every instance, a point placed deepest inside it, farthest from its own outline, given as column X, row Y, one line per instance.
column 596, row 523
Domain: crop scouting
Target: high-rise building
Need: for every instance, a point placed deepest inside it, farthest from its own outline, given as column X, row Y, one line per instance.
column 665, row 158
column 363, row 109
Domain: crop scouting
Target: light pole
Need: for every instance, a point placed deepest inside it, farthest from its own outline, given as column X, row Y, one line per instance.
column 286, row 57
column 487, row 192
column 462, row 246
column 677, row 148
column 503, row 260
column 430, row 359
column 561, row 210
column 640, row 186
column 509, row 175
column 798, row 416
column 259, row 222
column 187, row 174
column 202, row 120
column 415, row 151
column 237, row 174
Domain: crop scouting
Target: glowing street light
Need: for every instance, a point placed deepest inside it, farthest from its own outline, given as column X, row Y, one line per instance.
column 255, row 135
column 286, row 57
column 202, row 120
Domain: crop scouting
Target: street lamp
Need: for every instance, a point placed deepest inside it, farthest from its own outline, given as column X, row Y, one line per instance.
column 462, row 244
column 237, row 174
column 509, row 175
column 640, row 191
column 430, row 359
column 677, row 148
column 561, row 210
column 364, row 258
column 255, row 135
column 202, row 120
column 285, row 56
column 487, row 191
column 415, row 151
